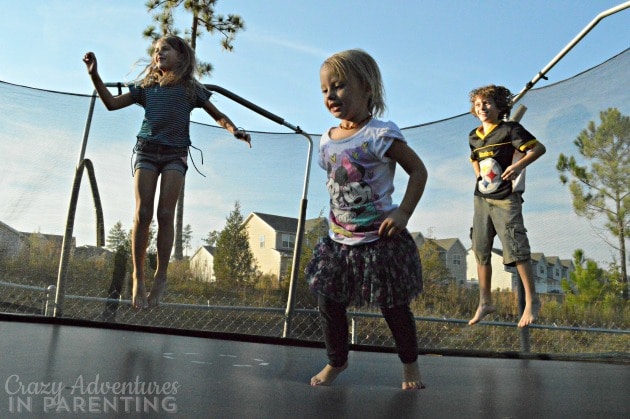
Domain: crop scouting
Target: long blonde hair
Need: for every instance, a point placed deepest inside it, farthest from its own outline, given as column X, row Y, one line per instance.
column 183, row 73
column 360, row 66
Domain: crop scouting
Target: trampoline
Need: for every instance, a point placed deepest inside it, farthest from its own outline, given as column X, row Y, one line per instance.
column 70, row 366
column 60, row 368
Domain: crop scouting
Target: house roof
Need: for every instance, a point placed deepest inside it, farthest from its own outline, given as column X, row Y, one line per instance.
column 418, row 238
column 537, row 256
column 9, row 228
column 288, row 224
column 207, row 249
column 55, row 238
column 446, row 244
column 89, row 251
column 278, row 222
column 552, row 260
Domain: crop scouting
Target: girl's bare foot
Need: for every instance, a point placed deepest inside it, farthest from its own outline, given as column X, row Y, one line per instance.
column 139, row 295
column 157, row 292
column 530, row 313
column 482, row 311
column 326, row 376
column 411, row 377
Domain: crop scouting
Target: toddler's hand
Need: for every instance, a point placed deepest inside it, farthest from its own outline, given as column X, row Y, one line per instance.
column 394, row 224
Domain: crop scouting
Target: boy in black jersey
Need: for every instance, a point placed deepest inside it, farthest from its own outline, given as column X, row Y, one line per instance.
column 500, row 151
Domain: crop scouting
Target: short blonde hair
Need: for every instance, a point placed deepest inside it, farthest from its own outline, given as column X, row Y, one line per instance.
column 358, row 65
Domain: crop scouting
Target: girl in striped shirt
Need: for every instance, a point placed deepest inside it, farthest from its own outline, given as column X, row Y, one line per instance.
column 168, row 92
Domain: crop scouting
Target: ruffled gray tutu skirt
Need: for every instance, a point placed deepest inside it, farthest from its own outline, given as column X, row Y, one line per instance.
column 383, row 273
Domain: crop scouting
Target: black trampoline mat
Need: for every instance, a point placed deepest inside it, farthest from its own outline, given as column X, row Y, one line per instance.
column 61, row 370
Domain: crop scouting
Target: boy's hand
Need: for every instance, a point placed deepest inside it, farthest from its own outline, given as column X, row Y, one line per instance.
column 510, row 173
column 242, row 135
column 90, row 61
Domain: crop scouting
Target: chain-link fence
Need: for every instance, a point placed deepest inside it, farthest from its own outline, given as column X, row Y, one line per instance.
column 226, row 314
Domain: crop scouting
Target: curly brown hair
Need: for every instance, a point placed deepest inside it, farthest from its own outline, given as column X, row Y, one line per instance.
column 500, row 94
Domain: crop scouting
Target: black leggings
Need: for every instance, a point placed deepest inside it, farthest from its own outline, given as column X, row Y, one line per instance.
column 334, row 323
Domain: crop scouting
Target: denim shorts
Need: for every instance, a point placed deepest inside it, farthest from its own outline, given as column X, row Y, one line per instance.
column 160, row 158
column 503, row 218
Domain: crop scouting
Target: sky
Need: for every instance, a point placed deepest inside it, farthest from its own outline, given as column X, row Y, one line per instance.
column 431, row 54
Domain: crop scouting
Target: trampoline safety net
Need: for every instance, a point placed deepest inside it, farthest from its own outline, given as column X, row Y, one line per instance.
column 583, row 313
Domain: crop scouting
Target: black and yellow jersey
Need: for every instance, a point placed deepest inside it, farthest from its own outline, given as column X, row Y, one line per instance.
column 495, row 151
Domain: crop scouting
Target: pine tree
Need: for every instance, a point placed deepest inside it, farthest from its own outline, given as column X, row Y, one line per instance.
column 119, row 241
column 234, row 262
column 587, row 285
column 187, row 235
column 603, row 188
column 118, row 238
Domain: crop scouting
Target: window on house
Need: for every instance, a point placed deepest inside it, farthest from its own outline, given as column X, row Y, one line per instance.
column 288, row 241
column 457, row 259
column 262, row 241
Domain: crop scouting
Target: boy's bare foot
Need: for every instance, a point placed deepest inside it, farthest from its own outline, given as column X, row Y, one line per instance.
column 482, row 311
column 326, row 376
column 157, row 291
column 530, row 313
column 139, row 295
column 411, row 377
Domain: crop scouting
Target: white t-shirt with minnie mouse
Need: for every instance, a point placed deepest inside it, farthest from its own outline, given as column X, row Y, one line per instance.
column 360, row 180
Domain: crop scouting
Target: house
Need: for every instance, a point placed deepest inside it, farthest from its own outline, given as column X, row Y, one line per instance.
column 272, row 240
column 452, row 253
column 202, row 264
column 13, row 241
column 503, row 277
column 549, row 271
column 93, row 253
column 567, row 269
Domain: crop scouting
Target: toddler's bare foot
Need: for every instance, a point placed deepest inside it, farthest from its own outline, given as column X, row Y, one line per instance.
column 411, row 377
column 326, row 376
column 482, row 311
column 157, row 291
column 139, row 295
column 530, row 313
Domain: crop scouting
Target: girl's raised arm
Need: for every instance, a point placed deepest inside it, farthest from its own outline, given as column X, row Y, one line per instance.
column 110, row 101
